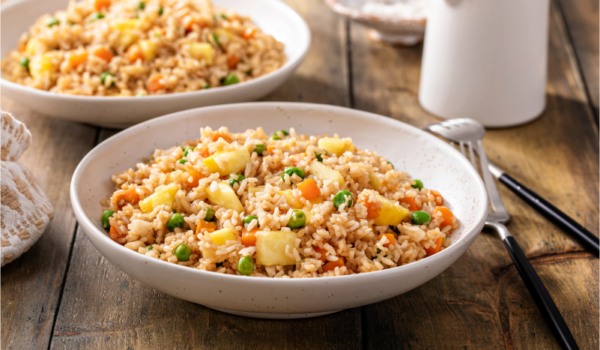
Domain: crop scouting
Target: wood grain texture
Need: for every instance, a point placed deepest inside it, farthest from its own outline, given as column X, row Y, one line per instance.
column 476, row 303
column 582, row 21
column 102, row 308
column 32, row 284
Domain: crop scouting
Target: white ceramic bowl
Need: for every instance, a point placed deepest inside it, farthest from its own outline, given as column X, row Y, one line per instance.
column 395, row 31
column 272, row 16
column 424, row 156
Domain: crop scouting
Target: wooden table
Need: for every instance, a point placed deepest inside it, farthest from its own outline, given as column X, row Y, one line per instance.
column 63, row 294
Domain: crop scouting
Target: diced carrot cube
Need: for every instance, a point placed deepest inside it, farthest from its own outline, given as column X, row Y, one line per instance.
column 232, row 61
column 100, row 5
column 412, row 206
column 219, row 135
column 116, row 236
column 206, row 226
column 446, row 214
column 129, row 196
column 134, row 53
column 77, row 58
column 372, row 210
column 436, row 249
column 249, row 238
column 390, row 237
column 156, row 83
column 249, row 33
column 195, row 178
column 309, row 189
column 321, row 251
column 330, row 266
column 104, row 54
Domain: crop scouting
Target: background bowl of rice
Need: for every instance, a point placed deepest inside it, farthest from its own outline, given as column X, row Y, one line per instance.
column 272, row 16
column 422, row 155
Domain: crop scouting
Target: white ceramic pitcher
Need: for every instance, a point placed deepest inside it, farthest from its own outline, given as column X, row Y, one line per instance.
column 486, row 60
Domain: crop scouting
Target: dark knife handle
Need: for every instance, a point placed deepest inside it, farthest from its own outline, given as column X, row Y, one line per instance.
column 540, row 295
column 552, row 213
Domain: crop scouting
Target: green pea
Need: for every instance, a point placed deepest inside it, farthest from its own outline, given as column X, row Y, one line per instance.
column 141, row 5
column 231, row 79
column 319, row 157
column 106, row 74
column 182, row 161
column 182, row 252
column 24, row 62
column 187, row 150
column 418, row 184
column 97, row 15
column 236, row 179
column 278, row 134
column 175, row 221
column 297, row 219
column 259, row 149
column 216, row 39
column 210, row 214
column 105, row 216
column 52, row 21
column 342, row 197
column 160, row 11
column 245, row 266
column 248, row 219
column 291, row 170
column 420, row 218
column 149, row 247
column 390, row 163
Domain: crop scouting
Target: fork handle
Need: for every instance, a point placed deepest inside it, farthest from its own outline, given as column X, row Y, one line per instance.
column 540, row 295
column 555, row 215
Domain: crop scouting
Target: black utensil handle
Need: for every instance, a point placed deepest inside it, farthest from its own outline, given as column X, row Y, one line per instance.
column 552, row 213
column 540, row 295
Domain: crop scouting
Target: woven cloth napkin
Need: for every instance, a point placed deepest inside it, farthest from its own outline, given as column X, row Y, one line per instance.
column 26, row 211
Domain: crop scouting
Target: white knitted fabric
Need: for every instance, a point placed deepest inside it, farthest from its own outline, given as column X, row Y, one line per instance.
column 26, row 211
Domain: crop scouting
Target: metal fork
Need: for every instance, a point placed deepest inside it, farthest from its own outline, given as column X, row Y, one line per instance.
column 468, row 134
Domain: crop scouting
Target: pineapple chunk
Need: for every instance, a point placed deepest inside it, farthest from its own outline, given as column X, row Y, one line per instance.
column 323, row 172
column 234, row 161
column 270, row 247
column 220, row 237
column 225, row 197
column 35, row 47
column 164, row 195
column 391, row 213
column 374, row 180
column 290, row 199
column 42, row 66
column 202, row 50
column 149, row 49
column 126, row 36
column 256, row 189
column 336, row 146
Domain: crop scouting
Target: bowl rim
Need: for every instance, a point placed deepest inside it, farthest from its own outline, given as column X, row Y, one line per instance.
column 90, row 229
column 288, row 65
column 358, row 15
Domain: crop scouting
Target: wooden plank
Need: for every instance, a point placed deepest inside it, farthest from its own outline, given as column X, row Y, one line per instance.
column 557, row 156
column 582, row 22
column 32, row 284
column 105, row 309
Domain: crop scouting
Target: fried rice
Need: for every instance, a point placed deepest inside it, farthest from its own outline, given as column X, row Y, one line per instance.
column 379, row 223
column 138, row 48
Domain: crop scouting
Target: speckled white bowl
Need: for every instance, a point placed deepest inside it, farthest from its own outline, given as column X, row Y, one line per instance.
column 272, row 16
column 424, row 156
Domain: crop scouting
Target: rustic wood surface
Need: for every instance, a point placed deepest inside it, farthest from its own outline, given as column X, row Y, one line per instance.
column 62, row 294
